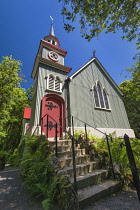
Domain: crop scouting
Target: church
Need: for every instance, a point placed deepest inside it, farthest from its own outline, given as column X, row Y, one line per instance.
column 89, row 96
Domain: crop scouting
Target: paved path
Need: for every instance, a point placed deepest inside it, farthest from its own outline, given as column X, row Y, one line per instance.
column 13, row 196
column 123, row 200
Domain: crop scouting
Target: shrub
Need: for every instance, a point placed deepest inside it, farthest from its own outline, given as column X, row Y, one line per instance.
column 38, row 169
column 4, row 156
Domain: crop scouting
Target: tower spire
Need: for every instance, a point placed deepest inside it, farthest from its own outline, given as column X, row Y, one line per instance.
column 52, row 29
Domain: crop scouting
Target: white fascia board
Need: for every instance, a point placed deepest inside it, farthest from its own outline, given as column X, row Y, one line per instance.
column 103, row 69
column 71, row 77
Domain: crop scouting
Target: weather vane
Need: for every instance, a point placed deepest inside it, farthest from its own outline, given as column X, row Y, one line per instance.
column 94, row 52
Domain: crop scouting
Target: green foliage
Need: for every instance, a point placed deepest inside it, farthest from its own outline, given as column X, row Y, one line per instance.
column 67, row 197
column 97, row 16
column 12, row 101
column 17, row 155
column 4, row 156
column 38, row 171
column 29, row 94
column 131, row 91
column 119, row 154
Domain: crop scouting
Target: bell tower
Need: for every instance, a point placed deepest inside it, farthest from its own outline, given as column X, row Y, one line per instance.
column 49, row 74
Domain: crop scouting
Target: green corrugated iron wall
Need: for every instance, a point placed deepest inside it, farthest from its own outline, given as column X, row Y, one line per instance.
column 40, row 90
column 82, row 101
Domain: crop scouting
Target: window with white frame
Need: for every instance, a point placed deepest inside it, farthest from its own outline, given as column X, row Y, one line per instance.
column 100, row 96
column 54, row 83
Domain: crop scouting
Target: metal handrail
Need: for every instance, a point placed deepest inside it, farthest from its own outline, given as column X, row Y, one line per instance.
column 107, row 136
column 132, row 164
column 88, row 125
column 73, row 151
column 35, row 130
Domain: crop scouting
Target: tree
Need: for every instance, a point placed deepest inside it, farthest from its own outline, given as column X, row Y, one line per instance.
column 29, row 94
column 131, row 91
column 12, row 101
column 102, row 15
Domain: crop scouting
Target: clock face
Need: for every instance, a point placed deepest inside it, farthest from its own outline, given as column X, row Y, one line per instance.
column 53, row 56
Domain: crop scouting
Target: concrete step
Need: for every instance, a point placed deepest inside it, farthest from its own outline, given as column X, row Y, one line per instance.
column 62, row 148
column 94, row 193
column 81, row 169
column 67, row 154
column 92, row 178
column 65, row 162
column 60, row 142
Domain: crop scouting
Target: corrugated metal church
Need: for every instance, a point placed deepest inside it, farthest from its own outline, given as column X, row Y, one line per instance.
column 90, row 95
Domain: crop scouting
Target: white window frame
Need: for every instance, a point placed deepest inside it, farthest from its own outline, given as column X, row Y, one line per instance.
column 55, row 77
column 107, row 95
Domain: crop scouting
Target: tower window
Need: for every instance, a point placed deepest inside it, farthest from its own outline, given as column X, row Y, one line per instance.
column 53, row 42
column 100, row 97
column 51, row 82
column 54, row 83
column 57, row 84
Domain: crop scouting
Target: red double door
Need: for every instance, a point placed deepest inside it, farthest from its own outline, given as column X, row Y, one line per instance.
column 53, row 111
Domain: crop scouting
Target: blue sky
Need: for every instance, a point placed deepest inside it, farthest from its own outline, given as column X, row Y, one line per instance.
column 24, row 22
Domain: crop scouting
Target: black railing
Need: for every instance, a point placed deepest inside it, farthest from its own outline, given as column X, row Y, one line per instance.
column 132, row 164
column 56, row 143
column 86, row 134
column 37, row 128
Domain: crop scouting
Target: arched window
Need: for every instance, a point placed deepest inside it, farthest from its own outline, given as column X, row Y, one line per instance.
column 100, row 95
column 51, row 82
column 54, row 83
column 57, row 84
column 96, row 97
column 105, row 99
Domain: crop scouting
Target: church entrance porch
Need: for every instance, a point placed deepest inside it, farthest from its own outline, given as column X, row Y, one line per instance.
column 53, row 111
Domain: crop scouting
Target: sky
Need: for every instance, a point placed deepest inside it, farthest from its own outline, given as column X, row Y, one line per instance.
column 24, row 23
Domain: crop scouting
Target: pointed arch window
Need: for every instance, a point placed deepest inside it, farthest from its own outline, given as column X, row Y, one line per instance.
column 57, row 84
column 51, row 82
column 54, row 83
column 96, row 98
column 105, row 99
column 100, row 97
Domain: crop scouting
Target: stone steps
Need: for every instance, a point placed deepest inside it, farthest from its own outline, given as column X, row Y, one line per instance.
column 66, row 154
column 93, row 178
column 67, row 142
column 65, row 162
column 94, row 193
column 81, row 169
column 62, row 148
column 92, row 183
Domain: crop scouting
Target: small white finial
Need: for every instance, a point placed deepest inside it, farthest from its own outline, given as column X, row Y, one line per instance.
column 51, row 18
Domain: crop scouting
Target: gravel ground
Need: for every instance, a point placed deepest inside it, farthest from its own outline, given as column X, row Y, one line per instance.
column 13, row 196
column 123, row 200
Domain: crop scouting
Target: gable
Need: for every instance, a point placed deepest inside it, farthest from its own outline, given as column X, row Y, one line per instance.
column 93, row 71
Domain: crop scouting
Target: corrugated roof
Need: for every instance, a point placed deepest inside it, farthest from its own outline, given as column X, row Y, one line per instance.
column 27, row 113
